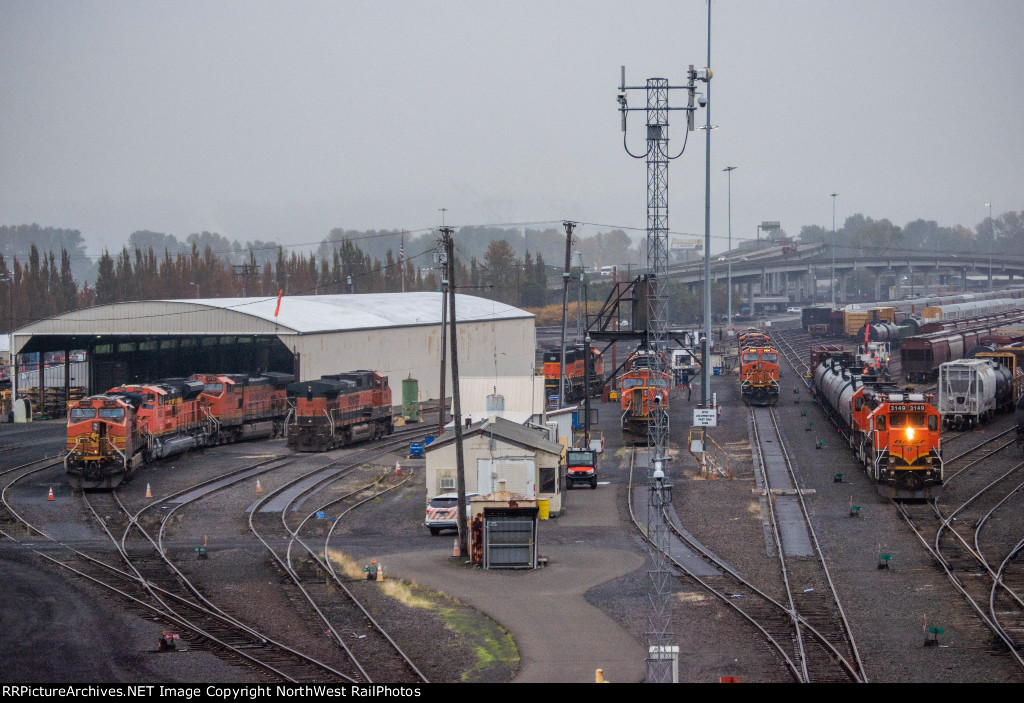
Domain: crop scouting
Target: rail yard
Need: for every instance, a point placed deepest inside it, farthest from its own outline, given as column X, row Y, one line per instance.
column 252, row 561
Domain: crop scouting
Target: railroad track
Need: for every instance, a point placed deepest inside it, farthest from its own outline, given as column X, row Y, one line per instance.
column 808, row 583
column 159, row 592
column 986, row 571
column 373, row 653
column 166, row 590
column 795, row 345
column 784, row 628
column 11, row 521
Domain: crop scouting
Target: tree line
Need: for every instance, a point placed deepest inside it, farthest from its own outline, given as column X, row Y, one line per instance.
column 46, row 271
column 41, row 287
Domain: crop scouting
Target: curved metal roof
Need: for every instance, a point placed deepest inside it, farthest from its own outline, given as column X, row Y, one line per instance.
column 308, row 314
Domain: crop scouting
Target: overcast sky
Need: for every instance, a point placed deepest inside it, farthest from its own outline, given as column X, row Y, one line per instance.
column 281, row 120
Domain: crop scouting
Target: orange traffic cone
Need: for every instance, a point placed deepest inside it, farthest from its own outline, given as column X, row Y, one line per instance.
column 398, row 469
column 50, row 497
column 259, row 488
column 149, row 493
column 455, row 548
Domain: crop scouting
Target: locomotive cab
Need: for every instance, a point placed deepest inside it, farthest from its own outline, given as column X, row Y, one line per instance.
column 904, row 439
column 101, row 445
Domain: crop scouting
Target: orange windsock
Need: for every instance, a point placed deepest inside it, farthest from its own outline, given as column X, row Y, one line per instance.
column 280, row 293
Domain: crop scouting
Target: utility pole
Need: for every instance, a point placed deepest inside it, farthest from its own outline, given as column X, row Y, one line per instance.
column 991, row 244
column 729, row 170
column 659, row 650
column 832, row 281
column 442, row 411
column 460, row 461
column 569, row 226
column 243, row 271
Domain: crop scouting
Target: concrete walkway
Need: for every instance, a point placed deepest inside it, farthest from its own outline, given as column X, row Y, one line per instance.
column 561, row 637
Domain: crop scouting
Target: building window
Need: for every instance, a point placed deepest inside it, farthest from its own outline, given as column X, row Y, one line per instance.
column 547, row 479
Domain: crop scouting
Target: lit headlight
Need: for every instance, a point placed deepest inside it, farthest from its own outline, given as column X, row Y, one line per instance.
column 910, row 433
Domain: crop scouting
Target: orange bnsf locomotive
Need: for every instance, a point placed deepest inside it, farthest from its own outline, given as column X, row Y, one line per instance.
column 339, row 409
column 246, row 407
column 895, row 435
column 575, row 373
column 759, row 368
column 112, row 434
column 643, row 391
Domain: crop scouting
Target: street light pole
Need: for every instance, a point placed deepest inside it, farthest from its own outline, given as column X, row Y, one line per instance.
column 832, row 281
column 729, row 170
column 991, row 243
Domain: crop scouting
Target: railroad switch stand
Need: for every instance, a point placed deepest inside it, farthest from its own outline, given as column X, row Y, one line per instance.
column 371, row 570
column 838, row 478
column 168, row 642
column 854, row 511
column 810, row 426
column 883, row 561
column 932, row 638
column 201, row 553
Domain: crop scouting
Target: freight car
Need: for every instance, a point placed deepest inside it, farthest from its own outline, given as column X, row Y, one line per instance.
column 1020, row 422
column 895, row 435
column 759, row 368
column 110, row 435
column 643, row 393
column 339, row 409
column 887, row 332
column 922, row 355
column 970, row 309
column 575, row 373
column 855, row 317
column 972, row 390
column 815, row 315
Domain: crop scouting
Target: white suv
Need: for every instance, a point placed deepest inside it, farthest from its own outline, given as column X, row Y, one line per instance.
column 442, row 510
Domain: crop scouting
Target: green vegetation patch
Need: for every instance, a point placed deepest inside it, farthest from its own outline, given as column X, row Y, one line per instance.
column 496, row 654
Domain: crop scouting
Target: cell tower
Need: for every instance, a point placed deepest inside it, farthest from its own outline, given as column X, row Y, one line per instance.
column 660, row 652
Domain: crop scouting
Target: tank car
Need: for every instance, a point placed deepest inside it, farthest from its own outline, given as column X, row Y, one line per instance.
column 643, row 392
column 895, row 435
column 109, row 436
column 972, row 390
column 339, row 409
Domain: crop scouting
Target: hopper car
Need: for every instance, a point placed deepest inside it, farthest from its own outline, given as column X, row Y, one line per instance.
column 971, row 391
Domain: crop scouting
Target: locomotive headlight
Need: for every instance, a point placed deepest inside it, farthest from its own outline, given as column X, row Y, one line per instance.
column 910, row 433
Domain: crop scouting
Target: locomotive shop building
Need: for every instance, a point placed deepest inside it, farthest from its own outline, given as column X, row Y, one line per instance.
column 398, row 334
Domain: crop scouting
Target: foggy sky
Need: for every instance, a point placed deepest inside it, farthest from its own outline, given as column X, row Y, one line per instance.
column 274, row 120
